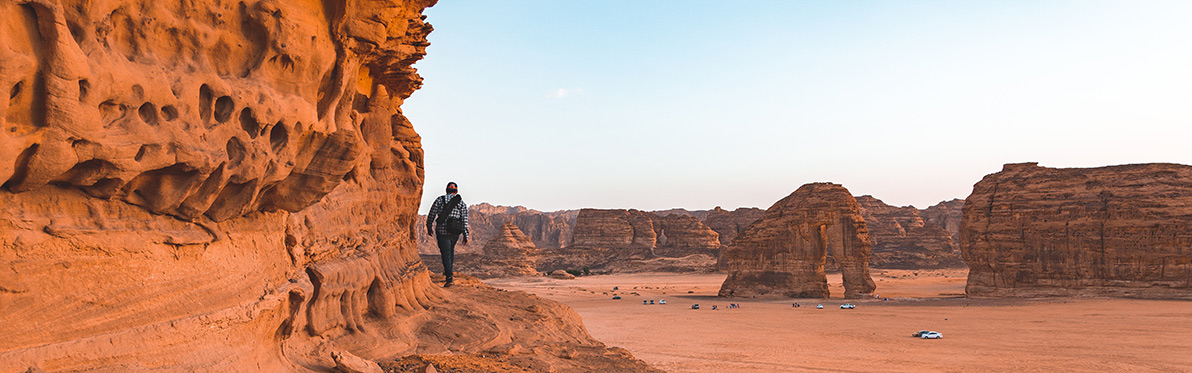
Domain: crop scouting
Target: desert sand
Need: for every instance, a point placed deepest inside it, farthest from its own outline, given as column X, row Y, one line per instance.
column 1084, row 334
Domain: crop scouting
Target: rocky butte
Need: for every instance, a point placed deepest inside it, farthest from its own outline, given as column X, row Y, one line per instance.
column 784, row 253
column 1107, row 231
column 231, row 186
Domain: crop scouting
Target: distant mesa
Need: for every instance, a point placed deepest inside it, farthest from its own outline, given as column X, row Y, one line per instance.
column 784, row 253
column 1106, row 231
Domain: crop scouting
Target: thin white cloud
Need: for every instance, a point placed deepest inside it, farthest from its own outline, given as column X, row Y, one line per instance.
column 561, row 93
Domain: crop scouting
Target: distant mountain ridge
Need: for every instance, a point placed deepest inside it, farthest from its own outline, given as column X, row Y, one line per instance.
column 677, row 239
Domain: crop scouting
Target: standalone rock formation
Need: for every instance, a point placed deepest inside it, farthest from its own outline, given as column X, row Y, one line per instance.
column 510, row 253
column 783, row 254
column 1107, row 231
column 903, row 239
column 223, row 186
column 596, row 228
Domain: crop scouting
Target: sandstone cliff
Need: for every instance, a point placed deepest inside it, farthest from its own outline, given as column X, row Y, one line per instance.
column 635, row 241
column 784, row 253
column 1107, row 231
column 728, row 224
column 947, row 215
column 223, row 186
column 903, row 239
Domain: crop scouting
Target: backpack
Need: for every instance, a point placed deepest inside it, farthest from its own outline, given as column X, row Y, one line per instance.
column 451, row 224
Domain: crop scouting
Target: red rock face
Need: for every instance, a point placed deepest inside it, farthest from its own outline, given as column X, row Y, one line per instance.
column 510, row 253
column 1107, row 231
column 784, row 253
column 947, row 215
column 729, row 224
column 614, row 229
column 903, row 239
column 212, row 186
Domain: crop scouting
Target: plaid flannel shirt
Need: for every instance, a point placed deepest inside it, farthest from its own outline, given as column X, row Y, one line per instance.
column 460, row 211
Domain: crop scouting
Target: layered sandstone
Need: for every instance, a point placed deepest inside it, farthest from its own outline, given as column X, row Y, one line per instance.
column 510, row 253
column 902, row 239
column 635, row 241
column 784, row 253
column 947, row 215
column 595, row 228
column 222, row 186
column 729, row 224
column 1107, row 231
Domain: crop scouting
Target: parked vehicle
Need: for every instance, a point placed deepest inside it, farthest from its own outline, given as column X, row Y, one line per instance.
column 616, row 297
column 695, row 306
column 847, row 306
column 932, row 335
column 920, row 333
column 819, row 306
column 662, row 301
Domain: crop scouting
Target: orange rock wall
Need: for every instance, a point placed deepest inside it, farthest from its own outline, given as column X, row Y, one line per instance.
column 1107, row 231
column 903, row 238
column 212, row 186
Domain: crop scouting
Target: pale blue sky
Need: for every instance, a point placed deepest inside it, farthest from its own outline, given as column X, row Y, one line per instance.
column 695, row 104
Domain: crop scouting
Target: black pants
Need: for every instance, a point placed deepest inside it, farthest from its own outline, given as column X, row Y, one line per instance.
column 447, row 252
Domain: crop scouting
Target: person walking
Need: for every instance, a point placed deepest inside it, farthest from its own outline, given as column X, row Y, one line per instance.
column 451, row 214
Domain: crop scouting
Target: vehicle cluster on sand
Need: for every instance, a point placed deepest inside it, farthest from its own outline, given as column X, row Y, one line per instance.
column 927, row 334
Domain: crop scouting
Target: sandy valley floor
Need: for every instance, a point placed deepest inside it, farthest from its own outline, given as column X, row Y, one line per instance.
column 771, row 335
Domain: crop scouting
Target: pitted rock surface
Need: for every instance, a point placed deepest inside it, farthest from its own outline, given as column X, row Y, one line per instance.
column 223, row 186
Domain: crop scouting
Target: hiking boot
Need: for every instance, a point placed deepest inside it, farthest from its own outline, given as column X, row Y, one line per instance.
column 448, row 284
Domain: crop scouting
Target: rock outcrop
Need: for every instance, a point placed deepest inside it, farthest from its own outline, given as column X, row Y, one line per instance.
column 596, row 228
column 216, row 186
column 729, row 224
column 635, row 241
column 902, row 239
column 784, row 253
column 1107, row 231
column 510, row 253
column 947, row 215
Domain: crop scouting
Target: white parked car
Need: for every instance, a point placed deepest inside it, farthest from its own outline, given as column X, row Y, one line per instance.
column 819, row 306
column 932, row 335
column 847, row 306
column 662, row 301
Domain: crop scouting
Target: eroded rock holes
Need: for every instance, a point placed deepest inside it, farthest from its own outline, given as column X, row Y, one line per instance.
column 223, row 109
column 249, row 123
column 148, row 113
